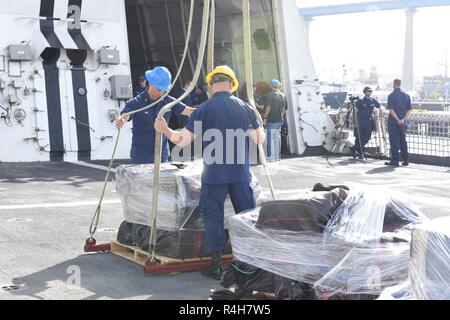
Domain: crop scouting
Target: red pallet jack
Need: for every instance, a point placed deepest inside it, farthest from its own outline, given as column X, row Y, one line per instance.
column 91, row 246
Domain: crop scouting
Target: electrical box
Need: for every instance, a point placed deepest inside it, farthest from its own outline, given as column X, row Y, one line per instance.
column 121, row 87
column 20, row 53
column 108, row 56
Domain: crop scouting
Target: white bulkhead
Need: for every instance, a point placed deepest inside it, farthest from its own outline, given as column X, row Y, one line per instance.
column 53, row 103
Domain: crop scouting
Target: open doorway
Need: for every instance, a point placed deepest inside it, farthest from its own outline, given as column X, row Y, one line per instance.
column 157, row 30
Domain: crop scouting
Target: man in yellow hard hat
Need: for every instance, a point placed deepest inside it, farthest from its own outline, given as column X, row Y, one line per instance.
column 226, row 156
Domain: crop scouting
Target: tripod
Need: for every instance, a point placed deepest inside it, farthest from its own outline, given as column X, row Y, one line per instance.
column 352, row 110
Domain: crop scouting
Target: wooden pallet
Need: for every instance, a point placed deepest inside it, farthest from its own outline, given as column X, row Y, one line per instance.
column 139, row 256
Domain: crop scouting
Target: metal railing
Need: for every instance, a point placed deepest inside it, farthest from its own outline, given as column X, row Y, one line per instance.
column 428, row 137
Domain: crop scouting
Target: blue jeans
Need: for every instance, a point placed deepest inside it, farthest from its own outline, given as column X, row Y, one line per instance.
column 212, row 201
column 274, row 141
column 397, row 139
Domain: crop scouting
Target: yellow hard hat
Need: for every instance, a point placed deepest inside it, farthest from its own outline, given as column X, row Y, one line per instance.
column 226, row 71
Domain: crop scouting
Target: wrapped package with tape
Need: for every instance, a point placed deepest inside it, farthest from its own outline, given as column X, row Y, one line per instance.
column 368, row 217
column 180, row 225
column 343, row 244
column 178, row 244
column 179, row 194
column 430, row 261
column 366, row 271
column 429, row 269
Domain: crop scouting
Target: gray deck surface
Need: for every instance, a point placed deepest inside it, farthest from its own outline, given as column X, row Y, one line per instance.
column 45, row 212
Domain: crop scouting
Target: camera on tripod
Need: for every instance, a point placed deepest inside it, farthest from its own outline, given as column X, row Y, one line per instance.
column 353, row 98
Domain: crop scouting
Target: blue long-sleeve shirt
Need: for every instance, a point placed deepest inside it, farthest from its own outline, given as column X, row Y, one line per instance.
column 144, row 133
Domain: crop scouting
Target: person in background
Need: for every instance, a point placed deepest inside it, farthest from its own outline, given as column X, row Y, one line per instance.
column 400, row 108
column 142, row 86
column 262, row 91
column 199, row 95
column 363, row 126
column 188, row 100
column 273, row 120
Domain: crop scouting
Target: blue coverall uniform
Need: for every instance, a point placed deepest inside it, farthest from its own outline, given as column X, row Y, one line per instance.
column 228, row 177
column 144, row 134
column 400, row 102
column 365, row 109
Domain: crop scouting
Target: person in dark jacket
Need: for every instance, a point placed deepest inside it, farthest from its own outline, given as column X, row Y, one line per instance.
column 400, row 108
column 363, row 125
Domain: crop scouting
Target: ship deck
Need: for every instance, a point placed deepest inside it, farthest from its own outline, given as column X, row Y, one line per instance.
column 46, row 209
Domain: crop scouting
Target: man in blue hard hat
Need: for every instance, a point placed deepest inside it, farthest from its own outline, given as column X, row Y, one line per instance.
column 363, row 126
column 226, row 157
column 144, row 134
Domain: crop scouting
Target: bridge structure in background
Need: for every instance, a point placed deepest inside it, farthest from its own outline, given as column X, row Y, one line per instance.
column 409, row 6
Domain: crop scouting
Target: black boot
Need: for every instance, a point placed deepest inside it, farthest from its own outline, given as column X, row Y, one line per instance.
column 215, row 271
column 392, row 164
column 353, row 152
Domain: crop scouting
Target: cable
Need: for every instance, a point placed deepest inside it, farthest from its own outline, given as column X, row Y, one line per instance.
column 248, row 273
column 7, row 117
column 93, row 70
column 96, row 217
column 309, row 124
column 212, row 26
column 162, row 112
column 82, row 123
column 249, row 81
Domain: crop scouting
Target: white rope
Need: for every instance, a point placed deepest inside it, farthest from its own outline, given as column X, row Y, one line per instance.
column 164, row 110
column 96, row 218
column 249, row 81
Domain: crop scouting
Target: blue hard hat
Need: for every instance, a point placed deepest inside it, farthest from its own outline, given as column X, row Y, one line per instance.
column 275, row 83
column 160, row 78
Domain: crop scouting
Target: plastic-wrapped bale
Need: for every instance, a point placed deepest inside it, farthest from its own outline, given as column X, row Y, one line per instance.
column 371, row 217
column 301, row 256
column 363, row 249
column 179, row 194
column 310, row 213
column 134, row 184
column 179, row 244
column 430, row 261
column 180, row 225
column 366, row 271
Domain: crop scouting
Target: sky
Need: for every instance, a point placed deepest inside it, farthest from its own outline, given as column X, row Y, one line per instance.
column 377, row 38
